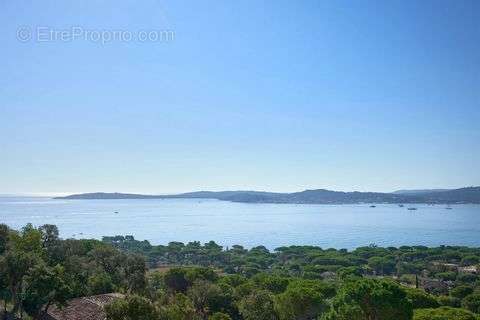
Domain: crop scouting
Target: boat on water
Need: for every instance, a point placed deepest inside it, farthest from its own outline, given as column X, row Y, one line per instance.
column 401, row 205
column 449, row 208
column 372, row 206
column 412, row 208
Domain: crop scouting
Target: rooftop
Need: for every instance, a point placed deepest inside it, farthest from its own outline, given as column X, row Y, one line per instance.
column 85, row 308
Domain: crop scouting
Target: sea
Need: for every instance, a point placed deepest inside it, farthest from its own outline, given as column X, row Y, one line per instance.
column 272, row 225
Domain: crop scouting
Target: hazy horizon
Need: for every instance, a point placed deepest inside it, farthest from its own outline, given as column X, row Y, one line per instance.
column 59, row 194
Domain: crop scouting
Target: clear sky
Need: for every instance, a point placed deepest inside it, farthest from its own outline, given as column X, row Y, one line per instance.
column 263, row 95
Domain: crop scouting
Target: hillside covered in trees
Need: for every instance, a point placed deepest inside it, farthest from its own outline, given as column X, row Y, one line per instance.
column 318, row 196
column 197, row 281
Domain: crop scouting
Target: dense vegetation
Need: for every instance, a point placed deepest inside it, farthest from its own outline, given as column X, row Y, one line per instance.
column 206, row 282
column 37, row 270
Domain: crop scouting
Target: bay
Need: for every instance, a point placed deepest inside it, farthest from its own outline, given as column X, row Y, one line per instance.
column 227, row 223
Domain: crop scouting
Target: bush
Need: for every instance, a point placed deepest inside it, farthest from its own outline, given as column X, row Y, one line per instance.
column 421, row 299
column 467, row 278
column 131, row 308
column 446, row 276
column 461, row 292
column 258, row 305
column 365, row 299
column 448, row 301
column 219, row 316
column 443, row 313
column 470, row 260
column 304, row 299
column 100, row 283
column 472, row 302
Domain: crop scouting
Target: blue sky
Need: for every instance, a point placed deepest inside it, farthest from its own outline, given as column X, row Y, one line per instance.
column 271, row 95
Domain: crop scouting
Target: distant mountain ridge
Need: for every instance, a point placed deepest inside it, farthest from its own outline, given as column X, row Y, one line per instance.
column 419, row 191
column 317, row 196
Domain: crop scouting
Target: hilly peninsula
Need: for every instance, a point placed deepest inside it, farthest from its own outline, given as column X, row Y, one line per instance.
column 469, row 195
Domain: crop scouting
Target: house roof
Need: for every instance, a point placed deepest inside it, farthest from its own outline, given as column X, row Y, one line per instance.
column 85, row 308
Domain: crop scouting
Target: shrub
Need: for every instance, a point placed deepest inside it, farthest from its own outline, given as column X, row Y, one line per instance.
column 443, row 313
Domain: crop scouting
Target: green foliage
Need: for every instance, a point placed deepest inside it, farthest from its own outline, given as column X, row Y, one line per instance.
column 366, row 299
column 348, row 272
column 100, row 282
column 135, row 269
column 461, row 292
column 219, row 316
column 470, row 260
column 258, row 305
column 446, row 276
column 131, row 308
column 467, row 278
column 176, row 280
column 421, row 299
column 38, row 270
column 208, row 297
column 179, row 307
column 4, row 235
column 272, row 283
column 449, row 301
column 44, row 286
column 443, row 313
column 472, row 302
column 303, row 299
column 382, row 265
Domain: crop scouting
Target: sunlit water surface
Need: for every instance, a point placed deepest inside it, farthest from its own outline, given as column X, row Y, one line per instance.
column 227, row 223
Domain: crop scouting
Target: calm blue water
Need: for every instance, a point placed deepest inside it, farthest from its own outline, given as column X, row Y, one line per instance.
column 272, row 225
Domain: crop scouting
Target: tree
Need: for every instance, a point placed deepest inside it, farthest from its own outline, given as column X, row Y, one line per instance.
column 461, row 292
column 470, row 260
column 131, row 308
column 449, row 301
column 368, row 299
column 347, row 272
column 472, row 302
column 44, row 286
column 4, row 235
column 382, row 265
column 421, row 299
column 100, row 282
column 4, row 290
column 206, row 297
column 219, row 316
column 178, row 307
column 272, row 283
column 175, row 280
column 135, row 270
column 49, row 234
column 197, row 273
column 443, row 313
column 303, row 299
column 258, row 305
column 28, row 240
column 107, row 257
column 14, row 266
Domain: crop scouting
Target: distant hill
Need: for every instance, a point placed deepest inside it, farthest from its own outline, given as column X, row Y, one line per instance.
column 420, row 191
column 318, row 196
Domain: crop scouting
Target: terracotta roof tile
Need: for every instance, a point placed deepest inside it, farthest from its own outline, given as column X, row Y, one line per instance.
column 85, row 308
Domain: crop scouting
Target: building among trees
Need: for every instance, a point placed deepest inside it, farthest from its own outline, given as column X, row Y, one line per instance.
column 85, row 308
